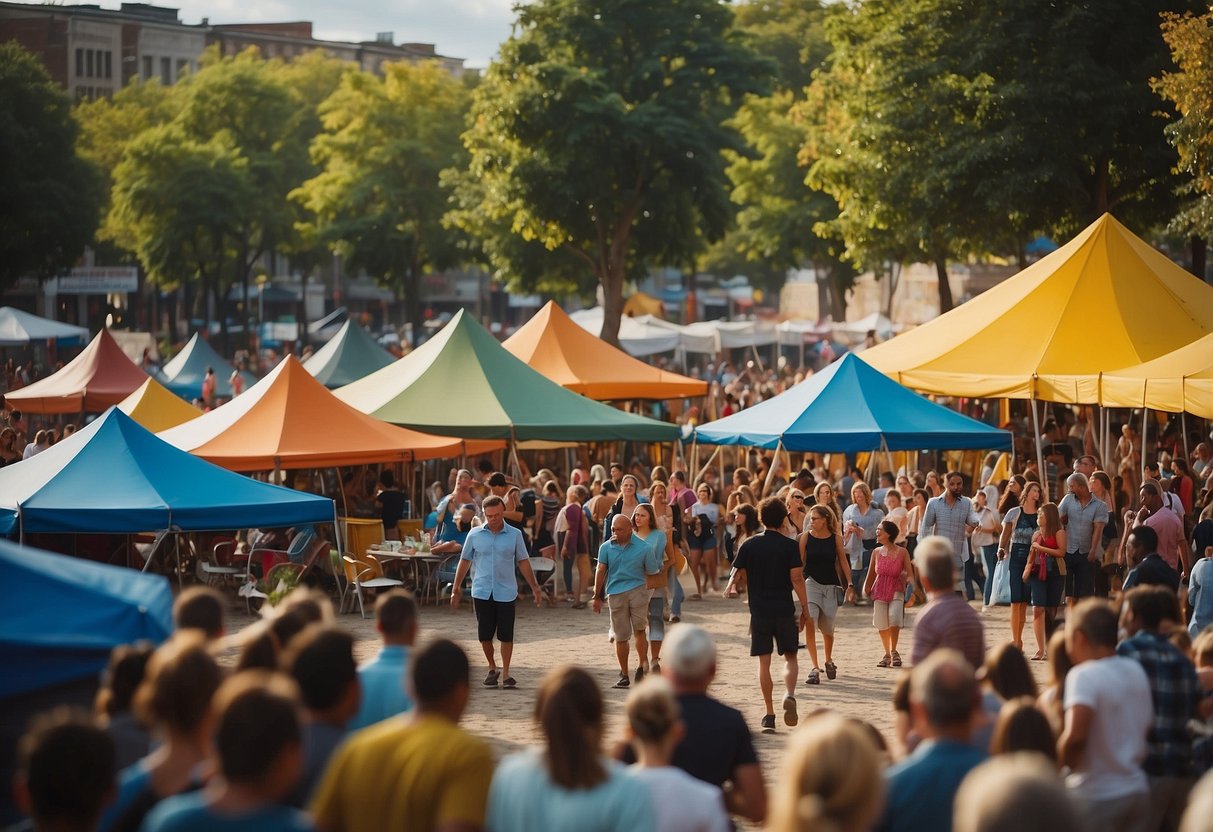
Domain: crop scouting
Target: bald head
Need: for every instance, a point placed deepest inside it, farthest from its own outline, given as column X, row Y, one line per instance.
column 945, row 688
column 621, row 529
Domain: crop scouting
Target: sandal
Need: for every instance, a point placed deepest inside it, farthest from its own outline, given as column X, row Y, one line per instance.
column 814, row 677
column 896, row 659
column 887, row 661
column 490, row 681
column 1039, row 657
column 695, row 597
column 831, row 671
column 623, row 681
column 580, row 605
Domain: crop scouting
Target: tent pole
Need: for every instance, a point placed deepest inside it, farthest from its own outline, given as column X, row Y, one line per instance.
column 1183, row 428
column 1145, row 414
column 699, row 473
column 1097, row 430
column 766, row 486
column 1040, row 457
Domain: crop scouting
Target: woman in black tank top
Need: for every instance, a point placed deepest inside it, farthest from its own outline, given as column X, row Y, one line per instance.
column 826, row 571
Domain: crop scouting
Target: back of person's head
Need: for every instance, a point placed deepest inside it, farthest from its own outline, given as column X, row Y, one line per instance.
column 831, row 779
column 65, row 771
column 1096, row 620
column 387, row 479
column 1021, row 726
column 321, row 662
column 934, row 558
column 123, row 676
column 1150, row 606
column 1015, row 792
column 396, row 614
column 609, row 487
column 945, row 687
column 772, row 511
column 1202, row 648
column 1146, row 538
column 1198, row 817
column 1008, row 673
column 199, row 608
column 436, row 671
column 652, row 710
column 569, row 709
column 181, row 679
column 258, row 731
column 258, row 648
column 497, row 480
column 689, row 654
column 1059, row 658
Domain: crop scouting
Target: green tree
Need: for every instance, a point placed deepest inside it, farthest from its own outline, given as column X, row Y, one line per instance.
column 379, row 198
column 51, row 195
column 599, row 134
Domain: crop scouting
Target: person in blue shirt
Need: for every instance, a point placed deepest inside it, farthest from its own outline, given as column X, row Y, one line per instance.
column 384, row 693
column 258, row 744
column 624, row 562
column 493, row 550
column 944, row 695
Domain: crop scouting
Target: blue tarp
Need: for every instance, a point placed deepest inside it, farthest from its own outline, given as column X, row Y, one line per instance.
column 849, row 407
column 116, row 477
column 184, row 372
column 61, row 616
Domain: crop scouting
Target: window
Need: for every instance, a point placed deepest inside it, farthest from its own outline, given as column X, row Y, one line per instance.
column 79, row 63
column 109, row 64
column 88, row 62
column 166, row 71
column 183, row 66
column 149, row 67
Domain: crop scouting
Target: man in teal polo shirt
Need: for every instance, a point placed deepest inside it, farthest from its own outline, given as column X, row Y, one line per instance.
column 623, row 563
column 494, row 549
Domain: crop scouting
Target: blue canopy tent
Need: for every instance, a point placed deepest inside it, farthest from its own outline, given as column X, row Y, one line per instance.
column 184, row 372
column 849, row 407
column 116, row 477
column 63, row 615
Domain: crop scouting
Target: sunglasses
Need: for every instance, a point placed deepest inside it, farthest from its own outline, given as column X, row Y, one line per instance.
column 798, row 497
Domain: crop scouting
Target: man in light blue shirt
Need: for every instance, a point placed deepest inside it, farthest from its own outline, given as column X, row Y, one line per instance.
column 623, row 563
column 493, row 550
column 1083, row 517
column 384, row 693
column 951, row 515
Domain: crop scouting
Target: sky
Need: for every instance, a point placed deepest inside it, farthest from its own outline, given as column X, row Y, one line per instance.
column 468, row 29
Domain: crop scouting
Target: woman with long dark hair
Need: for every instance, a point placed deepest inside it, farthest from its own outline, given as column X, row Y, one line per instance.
column 1018, row 526
column 567, row 783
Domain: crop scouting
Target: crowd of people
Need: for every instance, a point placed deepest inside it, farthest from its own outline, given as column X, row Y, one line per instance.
column 295, row 734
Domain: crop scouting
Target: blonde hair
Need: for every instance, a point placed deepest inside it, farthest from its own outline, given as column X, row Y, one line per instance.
column 652, row 710
column 831, row 781
column 1202, row 649
column 862, row 488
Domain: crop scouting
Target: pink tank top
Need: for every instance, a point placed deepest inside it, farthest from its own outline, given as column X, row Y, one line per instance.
column 889, row 582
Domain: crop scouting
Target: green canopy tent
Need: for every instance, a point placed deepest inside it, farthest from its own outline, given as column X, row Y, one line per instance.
column 350, row 355
column 463, row 382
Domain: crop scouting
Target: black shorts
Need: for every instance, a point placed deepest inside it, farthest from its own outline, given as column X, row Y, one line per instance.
column 782, row 629
column 494, row 618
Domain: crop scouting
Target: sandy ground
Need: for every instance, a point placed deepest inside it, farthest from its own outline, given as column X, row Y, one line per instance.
column 547, row 638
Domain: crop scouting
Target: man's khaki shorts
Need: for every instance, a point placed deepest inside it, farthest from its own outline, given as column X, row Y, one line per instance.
column 629, row 611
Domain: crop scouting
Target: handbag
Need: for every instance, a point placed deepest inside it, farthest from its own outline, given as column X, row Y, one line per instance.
column 1002, row 583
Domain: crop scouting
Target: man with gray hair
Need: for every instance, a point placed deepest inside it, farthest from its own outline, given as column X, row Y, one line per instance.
column 947, row 620
column 944, row 696
column 717, row 746
column 1083, row 517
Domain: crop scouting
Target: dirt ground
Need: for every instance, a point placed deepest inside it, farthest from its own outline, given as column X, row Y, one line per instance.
column 546, row 638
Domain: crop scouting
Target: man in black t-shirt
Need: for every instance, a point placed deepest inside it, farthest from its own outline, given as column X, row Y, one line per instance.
column 768, row 566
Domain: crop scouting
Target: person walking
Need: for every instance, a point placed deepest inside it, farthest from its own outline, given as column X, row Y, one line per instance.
column 859, row 523
column 985, row 539
column 624, row 562
column 1045, row 573
column 886, row 586
column 495, row 549
column 827, row 571
column 704, row 517
column 951, row 515
column 572, row 530
column 795, row 523
column 669, row 520
column 1083, row 518
column 768, row 567
column 1018, row 527
column 644, row 522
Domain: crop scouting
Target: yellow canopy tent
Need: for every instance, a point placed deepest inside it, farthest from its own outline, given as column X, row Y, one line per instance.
column 640, row 303
column 156, row 408
column 1179, row 381
column 1106, row 299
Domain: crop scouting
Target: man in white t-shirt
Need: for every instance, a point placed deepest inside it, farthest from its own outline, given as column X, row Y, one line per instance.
column 1108, row 715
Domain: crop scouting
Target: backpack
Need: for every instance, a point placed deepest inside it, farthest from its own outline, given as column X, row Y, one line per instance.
column 527, row 501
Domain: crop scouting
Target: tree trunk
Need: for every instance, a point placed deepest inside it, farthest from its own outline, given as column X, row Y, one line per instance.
column 824, row 306
column 838, row 296
column 412, row 302
column 1199, row 249
column 611, row 280
column 945, row 288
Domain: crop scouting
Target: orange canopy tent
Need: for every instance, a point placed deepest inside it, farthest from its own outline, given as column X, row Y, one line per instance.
column 97, row 378
column 157, row 408
column 553, row 344
column 290, row 420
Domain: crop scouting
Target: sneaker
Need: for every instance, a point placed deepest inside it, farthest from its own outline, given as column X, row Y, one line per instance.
column 639, row 674
column 814, row 677
column 622, row 682
column 508, row 683
column 831, row 671
column 674, row 619
column 768, row 724
column 789, row 710
column 490, row 681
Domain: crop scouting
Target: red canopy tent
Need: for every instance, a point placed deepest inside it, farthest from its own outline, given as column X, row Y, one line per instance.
column 97, row 378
